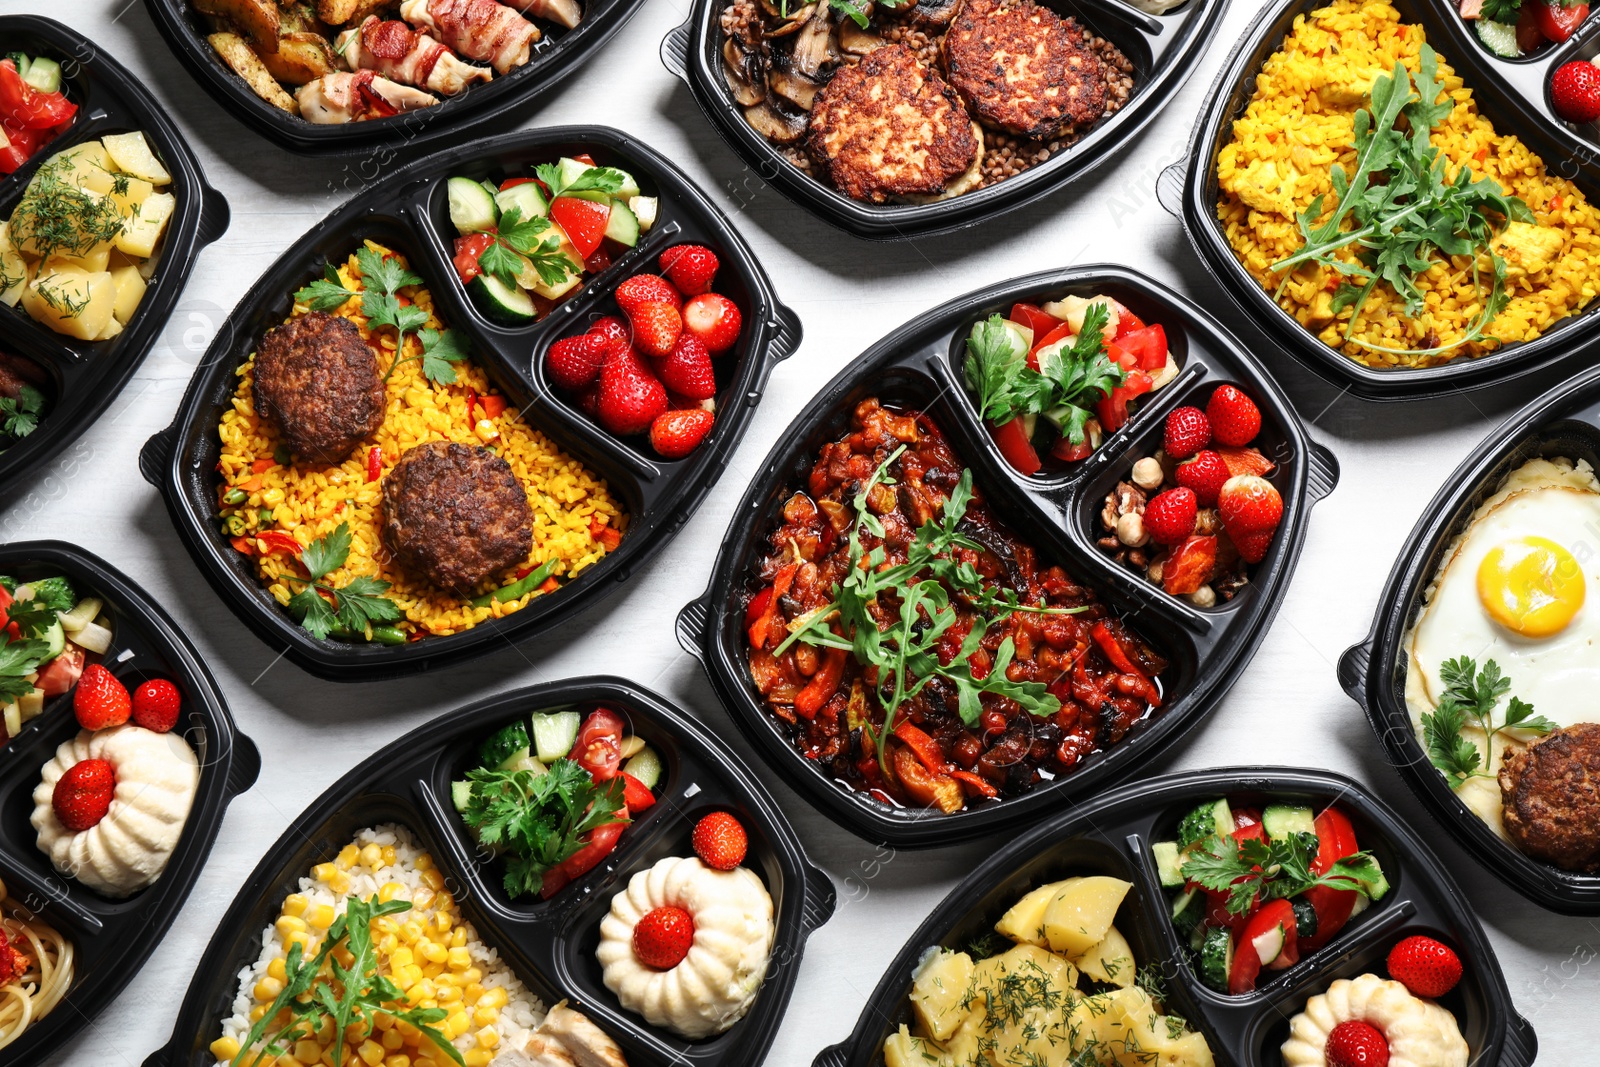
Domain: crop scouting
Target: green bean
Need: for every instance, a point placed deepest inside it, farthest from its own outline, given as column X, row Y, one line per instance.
column 517, row 589
column 388, row 635
column 233, row 525
column 236, row 496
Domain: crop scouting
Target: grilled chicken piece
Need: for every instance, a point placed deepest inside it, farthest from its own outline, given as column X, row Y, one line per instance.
column 561, row 12
column 539, row 1051
column 345, row 97
column 401, row 54
column 588, row 1045
column 484, row 30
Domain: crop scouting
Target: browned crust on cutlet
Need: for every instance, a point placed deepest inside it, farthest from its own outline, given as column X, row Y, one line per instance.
column 1021, row 67
column 889, row 126
column 1550, row 795
column 318, row 380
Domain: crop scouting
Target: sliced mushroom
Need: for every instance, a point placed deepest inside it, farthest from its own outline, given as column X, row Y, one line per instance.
column 857, row 41
column 774, row 125
column 743, row 77
column 929, row 12
column 813, row 49
column 795, row 88
column 798, row 19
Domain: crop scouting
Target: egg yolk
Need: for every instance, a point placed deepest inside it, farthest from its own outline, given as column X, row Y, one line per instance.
column 1531, row 586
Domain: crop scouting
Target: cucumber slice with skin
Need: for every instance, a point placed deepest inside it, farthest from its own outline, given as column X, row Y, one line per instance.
column 504, row 746
column 505, row 302
column 526, row 198
column 472, row 208
column 623, row 226
column 1187, row 911
column 1305, row 918
column 1499, row 38
column 43, row 74
column 1282, row 820
column 1216, row 958
column 644, row 208
column 1168, row 862
column 645, row 766
column 1214, row 817
column 460, row 795
column 1268, row 945
column 554, row 734
column 55, row 639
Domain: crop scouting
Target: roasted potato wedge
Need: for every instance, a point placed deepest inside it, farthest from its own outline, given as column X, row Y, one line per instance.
column 245, row 63
column 256, row 19
column 300, row 58
column 349, row 12
column 296, row 18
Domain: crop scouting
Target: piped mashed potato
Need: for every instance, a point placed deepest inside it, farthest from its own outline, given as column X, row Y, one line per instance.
column 1419, row 1032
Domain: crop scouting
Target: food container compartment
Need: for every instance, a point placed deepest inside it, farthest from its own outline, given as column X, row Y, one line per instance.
column 1563, row 422
column 1163, row 48
column 86, row 376
column 1511, row 95
column 913, row 367
column 1111, row 835
column 554, row 59
column 549, row 944
column 408, row 211
column 112, row 939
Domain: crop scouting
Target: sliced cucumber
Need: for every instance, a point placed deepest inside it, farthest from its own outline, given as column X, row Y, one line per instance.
column 1282, row 820
column 645, row 766
column 55, row 639
column 1216, row 958
column 1187, row 911
column 570, row 170
column 1168, row 862
column 1305, row 918
column 1379, row 887
column 472, row 208
column 461, row 795
column 1499, row 38
column 554, row 734
column 526, row 198
column 630, row 187
column 43, row 74
column 574, row 269
column 630, row 746
column 506, row 302
column 524, row 761
column 1268, row 944
column 645, row 209
column 1212, row 817
column 623, row 226
column 503, row 746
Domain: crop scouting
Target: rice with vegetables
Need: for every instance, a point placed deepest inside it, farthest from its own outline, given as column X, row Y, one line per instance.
column 1301, row 122
column 430, row 952
column 576, row 520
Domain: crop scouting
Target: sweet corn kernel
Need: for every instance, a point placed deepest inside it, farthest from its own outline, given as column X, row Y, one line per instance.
column 421, row 991
column 321, row 916
column 444, row 902
column 424, row 862
column 268, row 988
column 307, row 1051
column 397, row 1061
column 457, row 1024
column 324, row 872
column 295, row 904
column 494, row 998
column 433, row 879
column 460, row 959
column 225, row 1048
column 472, row 974
column 392, row 1041
column 390, row 890
column 301, row 938
column 347, row 857
column 258, row 1012
column 410, row 976
column 442, row 922
column 340, row 883
column 371, row 1052
column 288, row 925
column 401, row 957
column 478, row 1057
column 388, row 944
column 448, row 994
column 434, row 952
column 458, row 937
column 276, row 969
column 471, row 992
column 372, row 857
column 410, row 931
column 485, row 1016
column 407, row 1031
column 488, row 1038
column 421, row 897
column 389, row 855
column 387, row 925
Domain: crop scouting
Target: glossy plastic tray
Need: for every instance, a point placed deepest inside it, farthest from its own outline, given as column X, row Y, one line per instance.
column 86, row 376
column 919, row 366
column 408, row 212
column 1164, row 50
column 112, row 939
column 1563, row 422
column 549, row 944
column 1501, row 92
column 1113, row 836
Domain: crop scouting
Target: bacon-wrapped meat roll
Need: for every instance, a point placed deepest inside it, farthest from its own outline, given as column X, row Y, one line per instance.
column 399, row 53
column 562, row 12
column 484, row 30
column 345, row 97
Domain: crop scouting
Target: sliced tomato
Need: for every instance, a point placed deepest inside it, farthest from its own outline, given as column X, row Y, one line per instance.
column 1557, row 22
column 1127, row 322
column 1015, row 446
column 635, row 794
column 602, row 842
column 24, row 142
column 1060, row 333
column 61, row 673
column 583, row 220
column 1148, row 346
column 1336, row 839
column 1217, row 913
column 585, row 158
column 468, row 249
column 1034, row 318
column 512, row 183
column 1121, row 356
column 1529, row 35
column 22, row 106
column 1249, row 832
column 12, row 630
column 597, row 261
column 1274, row 925
column 1067, row 452
column 1112, row 409
column 598, row 748
column 1246, row 817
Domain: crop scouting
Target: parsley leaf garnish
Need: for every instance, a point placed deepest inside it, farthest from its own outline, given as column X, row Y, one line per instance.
column 327, row 293
column 382, row 278
column 521, row 242
column 1275, row 869
column 593, row 179
column 20, row 416
column 322, row 607
column 18, row 658
column 1469, row 699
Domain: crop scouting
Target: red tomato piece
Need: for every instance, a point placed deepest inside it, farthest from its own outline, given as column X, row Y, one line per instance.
column 602, row 842
column 25, row 107
column 512, row 183
column 598, row 749
column 1250, row 832
column 1034, row 318
column 635, row 794
column 468, row 249
column 1015, row 446
column 1557, row 22
column 583, row 220
column 1247, row 961
column 61, row 673
column 585, row 158
column 1067, row 452
column 1127, row 322
column 1336, row 839
column 1246, row 817
column 1059, row 333
column 597, row 261
column 1529, row 35
column 1148, row 346
column 1112, row 409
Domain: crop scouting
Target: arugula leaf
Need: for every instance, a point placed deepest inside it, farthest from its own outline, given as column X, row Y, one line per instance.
column 18, row 658
column 326, row 293
column 439, row 351
column 855, row 9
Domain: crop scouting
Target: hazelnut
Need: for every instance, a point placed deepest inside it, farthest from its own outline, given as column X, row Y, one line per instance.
column 1130, row 530
column 1204, row 597
column 1207, row 521
column 1147, row 473
column 1155, row 571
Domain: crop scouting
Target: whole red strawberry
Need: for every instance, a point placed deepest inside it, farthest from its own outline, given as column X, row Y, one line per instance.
column 1187, row 432
column 574, row 362
column 646, row 289
column 1250, row 506
column 676, row 433
column 156, row 704
column 714, row 319
column 630, row 396
column 1356, row 1043
column 611, row 331
column 1235, row 419
column 1575, row 91
column 720, row 841
column 83, row 794
column 656, row 328
column 662, row 937
column 1424, row 966
column 100, row 701
column 1205, row 474
column 1169, row 518
column 686, row 370
column 690, row 268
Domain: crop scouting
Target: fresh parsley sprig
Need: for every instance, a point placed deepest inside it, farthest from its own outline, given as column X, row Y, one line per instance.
column 357, row 604
column 591, row 179
column 19, row 658
column 20, row 416
column 519, row 240
column 1470, row 697
column 1280, row 868
column 1070, row 378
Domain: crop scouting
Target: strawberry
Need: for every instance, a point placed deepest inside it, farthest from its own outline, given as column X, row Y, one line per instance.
column 690, row 268
column 589, row 402
column 611, row 331
column 676, row 433
column 644, row 289
column 156, row 704
column 1244, row 460
column 719, row 841
column 1187, row 432
column 100, row 701
column 630, row 396
column 1356, row 1043
column 662, row 937
column 656, row 328
column 686, row 370
column 1250, row 505
column 83, row 794
column 1424, row 966
column 1169, row 518
column 1235, row 419
column 1205, row 474
column 1575, row 91
column 574, row 362
column 714, row 319
column 1252, row 547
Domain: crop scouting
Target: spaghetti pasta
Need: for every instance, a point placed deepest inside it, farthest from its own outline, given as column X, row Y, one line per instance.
column 35, row 967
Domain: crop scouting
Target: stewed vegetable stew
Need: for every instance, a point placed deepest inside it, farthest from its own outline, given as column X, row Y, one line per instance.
column 919, row 650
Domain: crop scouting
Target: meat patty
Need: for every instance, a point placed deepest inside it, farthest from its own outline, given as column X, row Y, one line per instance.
column 319, row 381
column 1551, row 798
column 456, row 514
column 18, row 371
column 889, row 126
column 1023, row 68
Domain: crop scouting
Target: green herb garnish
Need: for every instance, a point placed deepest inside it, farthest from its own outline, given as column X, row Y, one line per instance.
column 355, row 605
column 1275, row 869
column 1070, row 378
column 518, row 241
column 593, row 179
column 20, row 416
column 1469, row 698
column 18, row 658
column 54, row 216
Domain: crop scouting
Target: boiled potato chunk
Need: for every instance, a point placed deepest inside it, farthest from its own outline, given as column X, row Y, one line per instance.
column 939, row 992
column 901, row 1049
column 71, row 301
column 141, row 232
column 113, row 327
column 1023, row 1001
column 1150, row 1039
column 130, row 290
column 82, row 166
column 1110, row 961
column 131, row 154
column 14, row 272
column 1099, row 1021
column 1024, row 921
column 1079, row 916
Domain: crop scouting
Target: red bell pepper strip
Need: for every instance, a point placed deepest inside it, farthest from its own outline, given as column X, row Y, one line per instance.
column 472, row 402
column 761, row 628
column 606, row 535
column 925, row 747
column 493, row 406
column 1014, row 445
column 374, row 463
column 24, row 107
column 820, row 689
column 1148, row 345
column 977, row 784
column 277, row 541
column 1058, row 334
column 1122, row 664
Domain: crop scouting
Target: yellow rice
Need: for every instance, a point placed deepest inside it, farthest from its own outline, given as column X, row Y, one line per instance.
column 1301, row 121
column 309, row 500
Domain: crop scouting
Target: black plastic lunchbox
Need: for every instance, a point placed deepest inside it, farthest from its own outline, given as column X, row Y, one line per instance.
column 86, row 376
column 408, row 212
column 919, row 366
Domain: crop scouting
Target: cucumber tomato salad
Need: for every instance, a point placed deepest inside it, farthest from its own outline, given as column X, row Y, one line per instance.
column 527, row 243
column 47, row 635
column 1256, row 889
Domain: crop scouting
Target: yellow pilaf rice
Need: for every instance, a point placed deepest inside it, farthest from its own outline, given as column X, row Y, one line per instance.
column 309, row 500
column 1301, row 121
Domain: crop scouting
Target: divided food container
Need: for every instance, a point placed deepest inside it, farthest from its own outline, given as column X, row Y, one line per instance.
column 1164, row 50
column 1564, row 422
column 1113, row 836
column 86, row 376
column 549, row 944
column 1510, row 95
column 919, row 367
column 408, row 212
column 112, row 939
column 505, row 99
